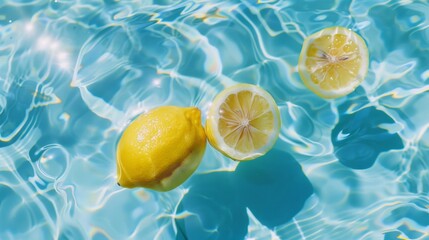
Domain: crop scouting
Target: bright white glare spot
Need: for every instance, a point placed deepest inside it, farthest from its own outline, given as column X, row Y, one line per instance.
column 64, row 65
column 425, row 75
column 54, row 48
column 43, row 42
column 54, row 45
column 63, row 61
column 156, row 82
column 29, row 27
column 62, row 56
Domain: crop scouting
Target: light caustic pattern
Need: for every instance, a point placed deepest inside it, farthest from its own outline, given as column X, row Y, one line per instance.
column 74, row 73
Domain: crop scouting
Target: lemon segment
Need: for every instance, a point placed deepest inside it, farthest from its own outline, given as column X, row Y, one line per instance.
column 243, row 122
column 333, row 62
column 161, row 149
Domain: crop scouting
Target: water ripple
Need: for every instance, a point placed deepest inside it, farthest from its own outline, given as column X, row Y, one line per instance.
column 74, row 74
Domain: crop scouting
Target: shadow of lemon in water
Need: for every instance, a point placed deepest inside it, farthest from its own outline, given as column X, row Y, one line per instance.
column 273, row 187
column 360, row 137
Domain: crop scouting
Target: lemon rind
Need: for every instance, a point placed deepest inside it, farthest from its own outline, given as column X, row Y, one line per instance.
column 179, row 175
column 187, row 165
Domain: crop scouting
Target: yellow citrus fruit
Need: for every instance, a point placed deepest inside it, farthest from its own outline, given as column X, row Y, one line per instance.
column 161, row 149
column 333, row 62
column 243, row 122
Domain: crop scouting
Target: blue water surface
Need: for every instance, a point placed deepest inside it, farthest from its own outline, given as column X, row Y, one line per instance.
column 73, row 74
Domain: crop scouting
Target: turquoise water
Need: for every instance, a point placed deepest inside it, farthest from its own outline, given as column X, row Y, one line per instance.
column 74, row 73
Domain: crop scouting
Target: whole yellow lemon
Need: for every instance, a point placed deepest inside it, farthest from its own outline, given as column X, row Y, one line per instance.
column 161, row 149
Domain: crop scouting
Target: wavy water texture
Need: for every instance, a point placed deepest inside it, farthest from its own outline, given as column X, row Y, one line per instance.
column 73, row 74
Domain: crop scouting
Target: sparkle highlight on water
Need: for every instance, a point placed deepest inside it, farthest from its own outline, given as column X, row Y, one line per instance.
column 73, row 74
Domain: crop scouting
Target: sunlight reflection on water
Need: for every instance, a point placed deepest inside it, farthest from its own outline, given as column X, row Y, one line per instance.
column 73, row 75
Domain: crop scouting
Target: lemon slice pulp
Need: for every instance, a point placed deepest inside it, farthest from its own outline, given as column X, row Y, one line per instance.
column 243, row 122
column 333, row 62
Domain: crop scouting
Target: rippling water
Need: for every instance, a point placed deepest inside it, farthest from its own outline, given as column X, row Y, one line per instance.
column 74, row 73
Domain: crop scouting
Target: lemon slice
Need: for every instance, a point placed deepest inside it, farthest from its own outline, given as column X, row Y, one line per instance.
column 243, row 122
column 333, row 62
